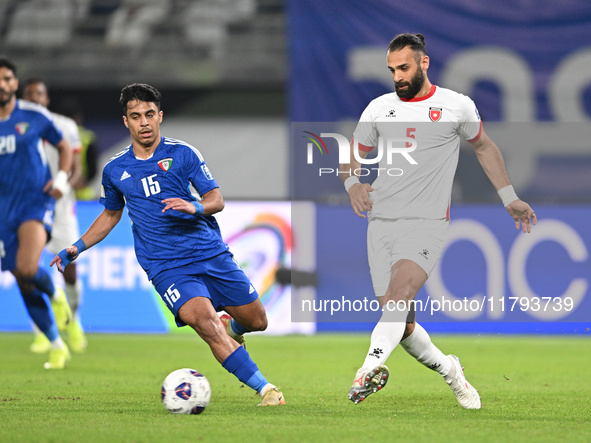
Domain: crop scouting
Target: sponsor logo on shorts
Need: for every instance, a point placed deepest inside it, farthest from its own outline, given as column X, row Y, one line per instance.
column 425, row 254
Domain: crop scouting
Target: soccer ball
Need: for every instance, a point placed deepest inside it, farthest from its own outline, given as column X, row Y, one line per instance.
column 185, row 391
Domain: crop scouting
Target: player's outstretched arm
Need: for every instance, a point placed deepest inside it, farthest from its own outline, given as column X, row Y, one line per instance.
column 99, row 229
column 211, row 203
column 492, row 162
column 358, row 192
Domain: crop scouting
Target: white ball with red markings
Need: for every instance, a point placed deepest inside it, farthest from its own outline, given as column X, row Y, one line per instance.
column 186, row 391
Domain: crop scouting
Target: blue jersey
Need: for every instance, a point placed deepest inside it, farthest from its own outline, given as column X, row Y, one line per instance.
column 23, row 166
column 170, row 239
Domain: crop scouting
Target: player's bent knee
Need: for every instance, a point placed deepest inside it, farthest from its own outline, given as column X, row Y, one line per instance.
column 259, row 324
column 256, row 321
column 26, row 272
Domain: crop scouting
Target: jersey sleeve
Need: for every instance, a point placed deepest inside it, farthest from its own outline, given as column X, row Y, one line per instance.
column 50, row 131
column 111, row 198
column 366, row 133
column 72, row 134
column 470, row 126
column 199, row 173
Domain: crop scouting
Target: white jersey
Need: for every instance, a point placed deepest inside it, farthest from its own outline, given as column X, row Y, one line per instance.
column 65, row 226
column 71, row 133
column 423, row 137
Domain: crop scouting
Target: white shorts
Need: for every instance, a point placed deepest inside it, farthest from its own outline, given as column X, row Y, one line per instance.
column 391, row 240
column 65, row 230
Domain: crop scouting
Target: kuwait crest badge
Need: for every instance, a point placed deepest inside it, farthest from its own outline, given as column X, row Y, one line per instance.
column 21, row 127
column 165, row 164
column 435, row 114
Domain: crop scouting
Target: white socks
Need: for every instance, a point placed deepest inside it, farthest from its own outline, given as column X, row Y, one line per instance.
column 73, row 295
column 58, row 343
column 36, row 329
column 266, row 388
column 419, row 345
column 384, row 338
column 387, row 334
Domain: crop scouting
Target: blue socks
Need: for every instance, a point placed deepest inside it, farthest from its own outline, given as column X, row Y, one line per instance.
column 238, row 328
column 241, row 365
column 43, row 282
column 39, row 309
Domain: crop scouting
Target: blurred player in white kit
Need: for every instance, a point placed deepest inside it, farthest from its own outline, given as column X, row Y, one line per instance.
column 65, row 225
column 408, row 206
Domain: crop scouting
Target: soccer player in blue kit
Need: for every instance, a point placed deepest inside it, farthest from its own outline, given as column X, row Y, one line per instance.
column 171, row 197
column 27, row 200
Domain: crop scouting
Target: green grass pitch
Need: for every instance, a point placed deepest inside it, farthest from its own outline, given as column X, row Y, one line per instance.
column 532, row 388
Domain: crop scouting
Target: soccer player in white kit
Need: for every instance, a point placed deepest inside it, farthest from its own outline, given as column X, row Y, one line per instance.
column 408, row 206
column 65, row 225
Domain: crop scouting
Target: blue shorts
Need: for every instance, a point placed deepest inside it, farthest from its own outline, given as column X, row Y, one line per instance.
column 40, row 209
column 219, row 278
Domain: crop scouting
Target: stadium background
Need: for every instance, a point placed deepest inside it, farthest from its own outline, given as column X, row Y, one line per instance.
column 242, row 78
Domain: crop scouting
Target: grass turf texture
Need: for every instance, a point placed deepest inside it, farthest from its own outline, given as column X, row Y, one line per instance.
column 533, row 388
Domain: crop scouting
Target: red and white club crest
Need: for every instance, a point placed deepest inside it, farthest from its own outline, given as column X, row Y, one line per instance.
column 435, row 114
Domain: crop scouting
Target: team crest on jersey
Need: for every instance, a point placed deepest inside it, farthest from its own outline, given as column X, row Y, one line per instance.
column 22, row 127
column 165, row 164
column 435, row 114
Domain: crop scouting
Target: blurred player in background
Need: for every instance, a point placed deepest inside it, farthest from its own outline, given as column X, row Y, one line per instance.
column 177, row 240
column 88, row 152
column 27, row 200
column 409, row 214
column 65, row 225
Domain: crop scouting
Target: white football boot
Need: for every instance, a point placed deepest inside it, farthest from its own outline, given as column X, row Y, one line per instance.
column 466, row 394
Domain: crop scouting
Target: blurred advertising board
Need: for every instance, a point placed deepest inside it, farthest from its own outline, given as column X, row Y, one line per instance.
column 117, row 297
column 490, row 277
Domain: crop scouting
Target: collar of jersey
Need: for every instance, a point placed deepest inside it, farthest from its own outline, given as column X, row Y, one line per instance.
column 424, row 97
column 143, row 159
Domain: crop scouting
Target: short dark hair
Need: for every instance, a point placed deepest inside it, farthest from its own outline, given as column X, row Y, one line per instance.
column 415, row 41
column 34, row 80
column 5, row 63
column 141, row 92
